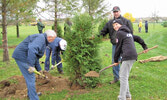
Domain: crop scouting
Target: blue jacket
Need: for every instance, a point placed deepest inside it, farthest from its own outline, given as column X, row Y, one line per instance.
column 54, row 46
column 31, row 49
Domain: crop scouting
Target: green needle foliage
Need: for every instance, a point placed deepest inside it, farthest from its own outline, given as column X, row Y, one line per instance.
column 82, row 51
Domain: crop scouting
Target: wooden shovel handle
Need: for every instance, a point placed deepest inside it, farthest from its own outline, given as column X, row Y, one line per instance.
column 148, row 49
column 106, row 68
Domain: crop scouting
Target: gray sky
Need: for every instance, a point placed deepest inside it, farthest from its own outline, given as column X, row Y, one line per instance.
column 138, row 8
column 141, row 8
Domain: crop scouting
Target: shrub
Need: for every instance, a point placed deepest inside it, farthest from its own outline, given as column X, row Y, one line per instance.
column 164, row 24
column 82, row 52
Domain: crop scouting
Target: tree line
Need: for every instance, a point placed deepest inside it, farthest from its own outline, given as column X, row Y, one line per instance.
column 18, row 11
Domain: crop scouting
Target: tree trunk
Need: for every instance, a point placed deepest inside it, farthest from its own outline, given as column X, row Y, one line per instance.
column 4, row 32
column 55, row 22
column 17, row 29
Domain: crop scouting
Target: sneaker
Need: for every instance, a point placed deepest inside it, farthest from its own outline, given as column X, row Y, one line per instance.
column 114, row 81
column 39, row 93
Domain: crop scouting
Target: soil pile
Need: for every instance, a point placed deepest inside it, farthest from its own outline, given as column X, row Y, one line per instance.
column 16, row 87
column 92, row 74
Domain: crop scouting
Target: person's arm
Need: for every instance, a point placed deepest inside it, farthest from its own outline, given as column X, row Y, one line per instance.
column 140, row 41
column 118, row 48
column 105, row 30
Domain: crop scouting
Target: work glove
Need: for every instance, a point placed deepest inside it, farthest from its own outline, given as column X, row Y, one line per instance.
column 31, row 69
column 52, row 67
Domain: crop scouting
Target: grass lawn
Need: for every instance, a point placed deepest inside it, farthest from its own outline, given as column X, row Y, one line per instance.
column 147, row 81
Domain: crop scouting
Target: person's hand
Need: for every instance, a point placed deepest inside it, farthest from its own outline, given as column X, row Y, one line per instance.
column 31, row 69
column 145, row 51
column 52, row 67
column 116, row 64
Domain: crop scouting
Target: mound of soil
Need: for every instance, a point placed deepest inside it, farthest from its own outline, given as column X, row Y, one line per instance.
column 16, row 87
column 92, row 74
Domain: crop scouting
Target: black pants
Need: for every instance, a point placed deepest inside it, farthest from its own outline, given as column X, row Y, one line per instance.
column 40, row 31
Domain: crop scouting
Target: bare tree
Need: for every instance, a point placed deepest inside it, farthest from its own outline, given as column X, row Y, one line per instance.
column 4, row 31
column 155, row 17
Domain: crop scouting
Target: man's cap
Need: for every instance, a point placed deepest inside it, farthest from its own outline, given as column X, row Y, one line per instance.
column 116, row 8
column 117, row 21
column 63, row 44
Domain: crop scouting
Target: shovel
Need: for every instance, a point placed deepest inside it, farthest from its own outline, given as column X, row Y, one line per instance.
column 56, row 65
column 95, row 74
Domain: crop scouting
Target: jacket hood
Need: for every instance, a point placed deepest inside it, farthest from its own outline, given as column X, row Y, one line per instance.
column 124, row 28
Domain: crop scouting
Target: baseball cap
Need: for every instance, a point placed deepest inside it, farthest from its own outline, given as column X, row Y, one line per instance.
column 116, row 8
column 63, row 44
column 117, row 21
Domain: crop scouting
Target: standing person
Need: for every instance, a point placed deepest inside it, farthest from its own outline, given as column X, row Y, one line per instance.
column 55, row 48
column 27, row 55
column 108, row 28
column 140, row 25
column 125, row 48
column 40, row 26
column 67, row 26
column 146, row 26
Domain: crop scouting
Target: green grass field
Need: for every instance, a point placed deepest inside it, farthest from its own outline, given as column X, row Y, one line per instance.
column 147, row 81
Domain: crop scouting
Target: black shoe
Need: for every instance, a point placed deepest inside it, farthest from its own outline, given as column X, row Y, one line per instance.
column 61, row 72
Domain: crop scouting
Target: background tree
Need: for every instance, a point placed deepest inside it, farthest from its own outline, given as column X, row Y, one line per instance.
column 21, row 11
column 12, row 10
column 154, row 17
column 82, row 52
column 4, row 4
column 96, row 8
column 129, row 17
column 59, row 8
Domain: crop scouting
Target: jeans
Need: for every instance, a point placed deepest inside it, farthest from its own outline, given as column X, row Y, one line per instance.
column 29, row 78
column 55, row 57
column 115, row 68
column 124, row 76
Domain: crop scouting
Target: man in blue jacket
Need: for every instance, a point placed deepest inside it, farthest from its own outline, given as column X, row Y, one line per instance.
column 27, row 55
column 55, row 47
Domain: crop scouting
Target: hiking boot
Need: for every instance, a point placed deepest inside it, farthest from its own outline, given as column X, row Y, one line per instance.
column 114, row 81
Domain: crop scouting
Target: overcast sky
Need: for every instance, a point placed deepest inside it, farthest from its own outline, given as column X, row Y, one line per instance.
column 141, row 8
column 138, row 8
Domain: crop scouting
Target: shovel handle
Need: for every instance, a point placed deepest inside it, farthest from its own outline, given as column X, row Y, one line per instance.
column 148, row 49
column 106, row 68
column 36, row 72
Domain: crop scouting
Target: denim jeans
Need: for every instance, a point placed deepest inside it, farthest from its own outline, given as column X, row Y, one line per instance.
column 29, row 78
column 55, row 57
column 115, row 68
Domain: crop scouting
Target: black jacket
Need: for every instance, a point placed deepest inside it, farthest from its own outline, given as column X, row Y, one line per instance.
column 108, row 28
column 125, row 46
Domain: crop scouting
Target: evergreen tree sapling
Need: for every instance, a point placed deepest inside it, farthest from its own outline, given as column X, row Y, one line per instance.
column 82, row 52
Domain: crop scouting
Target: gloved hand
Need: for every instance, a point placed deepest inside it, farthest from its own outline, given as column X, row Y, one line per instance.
column 31, row 69
column 52, row 67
